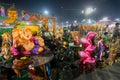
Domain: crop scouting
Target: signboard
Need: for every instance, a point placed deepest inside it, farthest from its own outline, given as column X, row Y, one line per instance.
column 6, row 29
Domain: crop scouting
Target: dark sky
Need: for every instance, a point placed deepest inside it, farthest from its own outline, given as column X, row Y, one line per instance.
column 69, row 10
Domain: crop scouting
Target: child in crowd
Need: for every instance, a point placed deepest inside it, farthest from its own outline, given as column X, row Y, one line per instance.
column 101, row 49
column 106, row 38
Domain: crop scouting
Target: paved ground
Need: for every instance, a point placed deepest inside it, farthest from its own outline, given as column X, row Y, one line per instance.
column 108, row 73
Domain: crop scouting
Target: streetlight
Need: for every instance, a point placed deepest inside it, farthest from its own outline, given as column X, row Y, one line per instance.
column 75, row 21
column 89, row 10
column 89, row 21
column 117, row 19
column 46, row 12
column 87, row 13
column 82, row 11
column 67, row 22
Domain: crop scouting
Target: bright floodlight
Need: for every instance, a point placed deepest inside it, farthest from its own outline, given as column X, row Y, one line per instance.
column 67, row 22
column 117, row 19
column 105, row 19
column 82, row 11
column 89, row 21
column 83, row 20
column 89, row 11
column 46, row 12
column 75, row 21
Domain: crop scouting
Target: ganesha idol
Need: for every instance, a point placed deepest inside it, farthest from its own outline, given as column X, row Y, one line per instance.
column 24, row 42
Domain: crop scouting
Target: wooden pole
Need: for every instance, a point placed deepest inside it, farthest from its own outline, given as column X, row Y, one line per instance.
column 54, row 26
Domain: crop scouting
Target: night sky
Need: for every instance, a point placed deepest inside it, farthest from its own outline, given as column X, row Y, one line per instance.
column 68, row 10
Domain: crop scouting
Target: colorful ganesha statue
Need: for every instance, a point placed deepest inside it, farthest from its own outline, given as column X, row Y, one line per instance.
column 25, row 43
column 39, row 45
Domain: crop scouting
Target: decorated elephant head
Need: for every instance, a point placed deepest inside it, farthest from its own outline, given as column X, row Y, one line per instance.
column 21, row 37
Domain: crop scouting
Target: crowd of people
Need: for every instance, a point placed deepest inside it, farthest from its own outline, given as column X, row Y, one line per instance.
column 90, row 48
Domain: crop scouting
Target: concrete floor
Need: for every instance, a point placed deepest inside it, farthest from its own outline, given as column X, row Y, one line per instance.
column 107, row 73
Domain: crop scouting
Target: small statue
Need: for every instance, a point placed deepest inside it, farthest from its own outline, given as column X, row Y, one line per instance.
column 6, row 57
column 2, row 11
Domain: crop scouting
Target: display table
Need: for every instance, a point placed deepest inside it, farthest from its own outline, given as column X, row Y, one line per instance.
column 38, row 61
column 42, row 59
